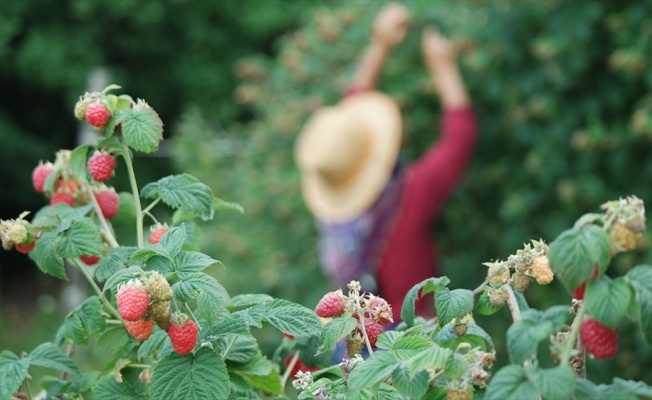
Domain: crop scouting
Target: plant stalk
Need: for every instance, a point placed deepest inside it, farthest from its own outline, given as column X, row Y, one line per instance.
column 134, row 190
column 97, row 289
column 229, row 348
column 290, row 367
column 572, row 337
column 106, row 230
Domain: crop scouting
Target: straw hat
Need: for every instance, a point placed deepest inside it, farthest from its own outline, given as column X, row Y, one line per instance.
column 346, row 154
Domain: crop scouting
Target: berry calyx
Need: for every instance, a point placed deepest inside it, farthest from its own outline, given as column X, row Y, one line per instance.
column 183, row 335
column 380, row 311
column 331, row 305
column 133, row 301
column 97, row 114
column 89, row 259
column 101, row 166
column 140, row 329
column 40, row 175
column 600, row 340
column 108, row 200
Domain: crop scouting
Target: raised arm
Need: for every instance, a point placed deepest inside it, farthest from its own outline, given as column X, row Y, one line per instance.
column 440, row 61
column 389, row 29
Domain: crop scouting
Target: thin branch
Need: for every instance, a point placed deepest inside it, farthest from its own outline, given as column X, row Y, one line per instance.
column 97, row 289
column 489, row 278
column 289, row 368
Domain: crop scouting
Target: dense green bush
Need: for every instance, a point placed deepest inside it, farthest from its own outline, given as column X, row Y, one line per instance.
column 561, row 91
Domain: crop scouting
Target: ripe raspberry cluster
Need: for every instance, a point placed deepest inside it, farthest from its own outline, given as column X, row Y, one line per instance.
column 144, row 302
column 370, row 312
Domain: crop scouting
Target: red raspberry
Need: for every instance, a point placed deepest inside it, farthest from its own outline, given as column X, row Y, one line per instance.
column 25, row 248
column 97, row 114
column 61, row 197
column 108, row 201
column 157, row 233
column 599, row 340
column 89, row 260
column 373, row 329
column 40, row 175
column 381, row 311
column 141, row 329
column 578, row 293
column 101, row 165
column 183, row 336
column 299, row 366
column 132, row 301
column 331, row 305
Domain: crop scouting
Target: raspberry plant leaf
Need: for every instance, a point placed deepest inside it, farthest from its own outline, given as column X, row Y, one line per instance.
column 640, row 277
column 554, row 383
column 190, row 262
column 373, row 371
column 511, row 382
column 237, row 348
column 109, row 388
column 173, row 240
column 185, row 291
column 229, row 323
column 636, row 387
column 116, row 259
column 46, row 258
column 77, row 164
column 153, row 345
column 607, row 300
column 587, row 390
column 247, row 300
column 82, row 323
column 292, row 318
column 213, row 297
column 334, row 331
column 475, row 336
column 183, row 192
column 83, row 237
column 452, row 303
column 524, row 336
column 142, row 129
column 222, row 205
column 13, row 371
column 260, row 373
column 48, row 355
column 412, row 387
column 252, row 316
column 202, row 375
column 427, row 286
column 576, row 252
column 434, row 356
column 484, row 307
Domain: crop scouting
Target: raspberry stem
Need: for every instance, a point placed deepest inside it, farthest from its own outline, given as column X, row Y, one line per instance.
column 106, row 231
column 192, row 315
column 134, row 190
column 289, row 368
column 486, row 281
column 572, row 338
column 512, row 303
column 99, row 292
column 228, row 348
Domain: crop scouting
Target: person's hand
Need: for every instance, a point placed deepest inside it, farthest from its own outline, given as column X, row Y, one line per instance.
column 391, row 25
column 438, row 51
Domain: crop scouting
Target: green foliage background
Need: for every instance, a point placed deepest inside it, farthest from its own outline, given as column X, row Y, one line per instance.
column 561, row 90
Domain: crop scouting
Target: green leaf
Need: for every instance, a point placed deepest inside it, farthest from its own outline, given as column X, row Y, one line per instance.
column 411, row 387
column 576, row 252
column 115, row 260
column 241, row 348
column 221, row 205
column 524, row 336
column 387, row 339
column 173, row 240
column 190, row 262
column 260, row 373
column 334, row 331
column 511, row 383
column 638, row 388
column 48, row 355
column 116, row 342
column 252, row 316
column 475, row 336
column 194, row 376
column 122, row 276
column 554, row 383
column 452, row 304
column 46, row 257
column 183, row 192
column 292, row 318
column 388, row 392
column 640, row 277
column 484, row 306
column 109, row 388
column 153, row 345
column 78, row 162
column 229, row 323
column 434, row 357
column 374, row 370
column 82, row 323
column 13, row 371
column 422, row 288
column 185, row 291
column 247, row 300
column 83, row 237
column 409, row 346
column 156, row 250
column 607, row 300
column 587, row 390
column 213, row 297
column 142, row 129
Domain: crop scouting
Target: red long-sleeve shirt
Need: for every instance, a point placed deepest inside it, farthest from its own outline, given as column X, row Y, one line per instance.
column 409, row 254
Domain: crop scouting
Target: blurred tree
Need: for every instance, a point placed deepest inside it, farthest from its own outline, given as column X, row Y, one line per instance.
column 562, row 92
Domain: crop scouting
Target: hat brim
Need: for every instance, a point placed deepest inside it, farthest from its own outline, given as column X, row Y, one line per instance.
column 382, row 117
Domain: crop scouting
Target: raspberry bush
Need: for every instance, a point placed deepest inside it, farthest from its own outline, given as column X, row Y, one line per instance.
column 171, row 330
